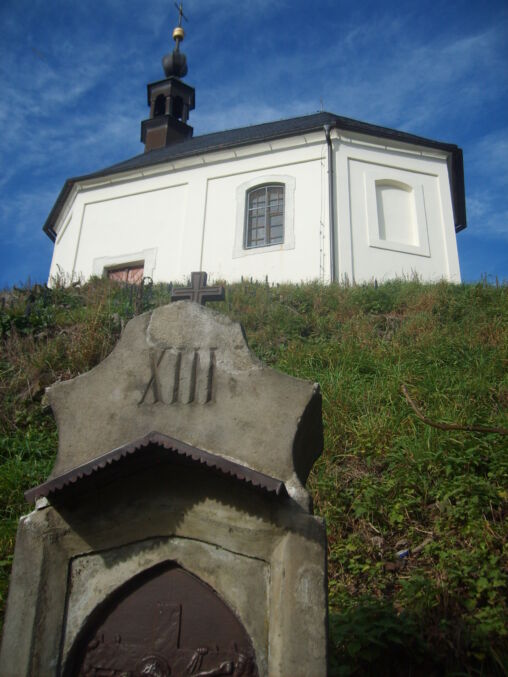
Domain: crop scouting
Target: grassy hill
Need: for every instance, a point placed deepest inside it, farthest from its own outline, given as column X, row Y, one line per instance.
column 416, row 515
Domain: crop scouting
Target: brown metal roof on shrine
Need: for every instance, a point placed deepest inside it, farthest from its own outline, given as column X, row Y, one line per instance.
column 167, row 449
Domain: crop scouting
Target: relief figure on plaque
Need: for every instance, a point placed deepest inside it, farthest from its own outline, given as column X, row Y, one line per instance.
column 163, row 623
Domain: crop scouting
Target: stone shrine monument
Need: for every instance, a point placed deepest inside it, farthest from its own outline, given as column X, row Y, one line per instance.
column 174, row 536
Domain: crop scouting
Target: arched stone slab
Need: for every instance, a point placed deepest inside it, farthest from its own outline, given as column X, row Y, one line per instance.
column 186, row 371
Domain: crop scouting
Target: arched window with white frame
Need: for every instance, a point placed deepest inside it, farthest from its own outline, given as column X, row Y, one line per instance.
column 264, row 222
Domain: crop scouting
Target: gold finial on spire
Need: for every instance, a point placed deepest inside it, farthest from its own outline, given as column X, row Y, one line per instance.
column 178, row 32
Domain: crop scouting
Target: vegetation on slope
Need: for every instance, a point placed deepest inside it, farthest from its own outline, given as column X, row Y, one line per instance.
column 416, row 516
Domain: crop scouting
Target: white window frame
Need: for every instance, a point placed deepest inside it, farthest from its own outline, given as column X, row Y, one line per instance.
column 289, row 184
column 267, row 225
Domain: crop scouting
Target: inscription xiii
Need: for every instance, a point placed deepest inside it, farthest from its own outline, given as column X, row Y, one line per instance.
column 180, row 375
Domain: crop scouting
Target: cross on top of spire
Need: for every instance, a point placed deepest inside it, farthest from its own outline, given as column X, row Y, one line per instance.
column 198, row 291
column 180, row 13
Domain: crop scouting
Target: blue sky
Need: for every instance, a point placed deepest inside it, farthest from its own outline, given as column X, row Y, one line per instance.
column 73, row 81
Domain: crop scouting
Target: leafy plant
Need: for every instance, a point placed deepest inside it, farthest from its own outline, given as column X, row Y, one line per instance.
column 417, row 518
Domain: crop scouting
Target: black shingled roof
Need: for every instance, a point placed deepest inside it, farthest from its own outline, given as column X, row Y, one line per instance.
column 270, row 131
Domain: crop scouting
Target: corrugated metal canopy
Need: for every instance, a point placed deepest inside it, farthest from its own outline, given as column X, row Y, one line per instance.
column 155, row 448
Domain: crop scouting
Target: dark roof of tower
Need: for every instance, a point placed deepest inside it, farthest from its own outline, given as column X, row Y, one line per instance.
column 270, row 131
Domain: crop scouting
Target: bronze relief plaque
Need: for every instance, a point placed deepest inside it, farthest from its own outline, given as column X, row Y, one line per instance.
column 166, row 623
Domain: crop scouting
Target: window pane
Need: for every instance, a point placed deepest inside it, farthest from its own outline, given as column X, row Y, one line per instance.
column 275, row 192
column 119, row 274
column 265, row 216
column 257, row 212
column 130, row 274
column 257, row 198
column 276, row 235
column 276, row 214
column 135, row 275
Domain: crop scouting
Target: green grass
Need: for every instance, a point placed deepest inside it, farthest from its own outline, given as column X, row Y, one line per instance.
column 386, row 481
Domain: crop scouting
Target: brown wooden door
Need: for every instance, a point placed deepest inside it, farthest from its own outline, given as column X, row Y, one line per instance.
column 167, row 623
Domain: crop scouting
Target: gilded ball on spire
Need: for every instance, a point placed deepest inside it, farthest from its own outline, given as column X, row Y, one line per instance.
column 175, row 63
column 178, row 34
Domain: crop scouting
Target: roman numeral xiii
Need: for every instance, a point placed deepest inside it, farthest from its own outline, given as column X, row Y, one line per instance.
column 180, row 375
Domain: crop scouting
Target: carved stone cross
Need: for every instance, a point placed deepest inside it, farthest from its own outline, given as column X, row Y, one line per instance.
column 198, row 291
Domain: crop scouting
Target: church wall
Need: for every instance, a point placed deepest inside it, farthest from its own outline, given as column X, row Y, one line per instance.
column 185, row 218
column 122, row 224
column 64, row 250
column 127, row 228
column 225, row 222
column 393, row 215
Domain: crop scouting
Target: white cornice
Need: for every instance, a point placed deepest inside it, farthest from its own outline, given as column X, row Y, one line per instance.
column 254, row 149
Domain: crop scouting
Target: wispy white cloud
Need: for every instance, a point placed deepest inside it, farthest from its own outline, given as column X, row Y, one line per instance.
column 73, row 84
column 487, row 216
column 243, row 114
column 487, row 179
column 19, row 214
column 488, row 156
column 416, row 85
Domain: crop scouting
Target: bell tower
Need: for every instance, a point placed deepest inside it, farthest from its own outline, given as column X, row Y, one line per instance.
column 170, row 100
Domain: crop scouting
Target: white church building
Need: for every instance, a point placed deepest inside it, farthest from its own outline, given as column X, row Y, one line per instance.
column 319, row 197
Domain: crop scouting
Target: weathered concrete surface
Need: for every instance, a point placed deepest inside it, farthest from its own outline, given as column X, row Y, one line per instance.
column 298, row 571
column 186, row 371
column 264, row 557
column 237, row 578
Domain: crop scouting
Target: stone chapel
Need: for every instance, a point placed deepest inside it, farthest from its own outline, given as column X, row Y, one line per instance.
column 319, row 197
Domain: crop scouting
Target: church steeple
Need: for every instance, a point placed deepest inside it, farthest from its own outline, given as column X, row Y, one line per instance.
column 170, row 100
